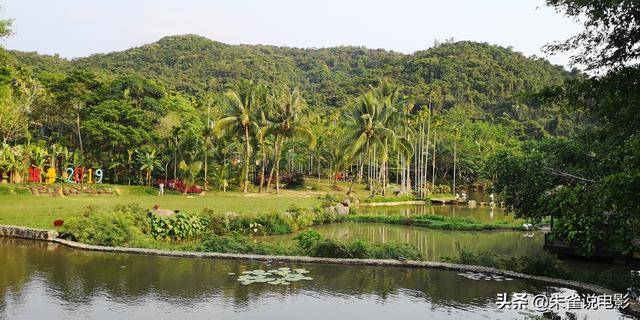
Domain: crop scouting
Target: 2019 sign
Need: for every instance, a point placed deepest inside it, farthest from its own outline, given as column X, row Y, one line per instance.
column 76, row 175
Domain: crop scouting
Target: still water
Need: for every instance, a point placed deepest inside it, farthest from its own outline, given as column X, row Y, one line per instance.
column 47, row 281
column 433, row 244
column 484, row 214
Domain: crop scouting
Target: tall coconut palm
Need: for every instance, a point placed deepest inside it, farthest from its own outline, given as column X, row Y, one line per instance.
column 241, row 102
column 286, row 123
column 372, row 113
column 207, row 136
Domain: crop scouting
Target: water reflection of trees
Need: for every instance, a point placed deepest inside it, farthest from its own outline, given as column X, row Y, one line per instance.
column 480, row 213
column 80, row 276
column 432, row 243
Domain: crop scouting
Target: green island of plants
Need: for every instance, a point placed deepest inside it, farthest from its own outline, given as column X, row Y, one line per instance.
column 134, row 226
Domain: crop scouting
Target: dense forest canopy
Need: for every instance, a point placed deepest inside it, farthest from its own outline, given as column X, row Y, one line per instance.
column 452, row 72
column 187, row 101
column 118, row 108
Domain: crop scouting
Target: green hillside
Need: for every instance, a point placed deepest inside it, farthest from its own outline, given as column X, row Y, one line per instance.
column 462, row 72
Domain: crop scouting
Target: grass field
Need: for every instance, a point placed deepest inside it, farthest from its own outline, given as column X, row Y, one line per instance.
column 19, row 207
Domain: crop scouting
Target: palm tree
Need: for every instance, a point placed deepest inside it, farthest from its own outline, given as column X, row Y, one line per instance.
column 207, row 135
column 38, row 157
column 5, row 151
column 190, row 173
column 242, row 101
column 285, row 123
column 262, row 139
column 221, row 176
column 16, row 164
column 149, row 162
column 372, row 113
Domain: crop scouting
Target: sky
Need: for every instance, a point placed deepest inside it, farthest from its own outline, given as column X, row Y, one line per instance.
column 77, row 28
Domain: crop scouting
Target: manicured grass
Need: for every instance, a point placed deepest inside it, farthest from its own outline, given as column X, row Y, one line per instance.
column 19, row 207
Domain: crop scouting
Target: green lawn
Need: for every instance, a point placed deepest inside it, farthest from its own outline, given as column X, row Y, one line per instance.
column 19, row 207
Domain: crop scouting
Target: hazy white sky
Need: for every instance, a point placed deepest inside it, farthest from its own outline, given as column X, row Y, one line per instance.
column 74, row 28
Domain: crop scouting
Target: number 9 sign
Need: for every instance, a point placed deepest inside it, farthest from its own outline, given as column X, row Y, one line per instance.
column 99, row 175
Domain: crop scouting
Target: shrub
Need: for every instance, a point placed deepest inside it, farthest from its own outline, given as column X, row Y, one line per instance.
column 395, row 251
column 232, row 244
column 179, row 226
column 542, row 264
column 307, row 239
column 120, row 227
column 295, row 210
column 328, row 200
column 329, row 248
column 305, row 220
column 293, row 180
column 217, row 223
column 275, row 223
column 325, row 216
column 359, row 249
column 237, row 243
column 402, row 198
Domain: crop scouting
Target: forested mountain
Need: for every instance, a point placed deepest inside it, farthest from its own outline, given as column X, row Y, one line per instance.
column 479, row 74
column 156, row 106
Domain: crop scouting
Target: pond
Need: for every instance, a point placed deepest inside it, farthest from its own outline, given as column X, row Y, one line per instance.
column 484, row 214
column 432, row 243
column 47, row 281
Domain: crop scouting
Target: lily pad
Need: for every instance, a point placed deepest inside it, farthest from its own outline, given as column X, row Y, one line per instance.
column 280, row 276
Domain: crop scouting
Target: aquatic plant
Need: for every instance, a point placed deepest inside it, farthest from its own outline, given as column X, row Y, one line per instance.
column 280, row 276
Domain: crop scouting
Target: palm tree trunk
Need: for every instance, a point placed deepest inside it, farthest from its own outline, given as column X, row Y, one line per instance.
column 455, row 151
column 262, row 166
column 433, row 166
column 278, row 167
column 245, row 183
column 276, row 151
column 175, row 159
column 428, row 138
column 206, row 167
column 383, row 168
column 361, row 169
column 79, row 134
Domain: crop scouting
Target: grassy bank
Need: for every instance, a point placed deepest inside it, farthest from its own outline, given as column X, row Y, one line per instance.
column 433, row 222
column 209, row 231
column 19, row 207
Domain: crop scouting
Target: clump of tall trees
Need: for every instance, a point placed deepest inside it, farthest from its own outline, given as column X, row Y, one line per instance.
column 588, row 182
